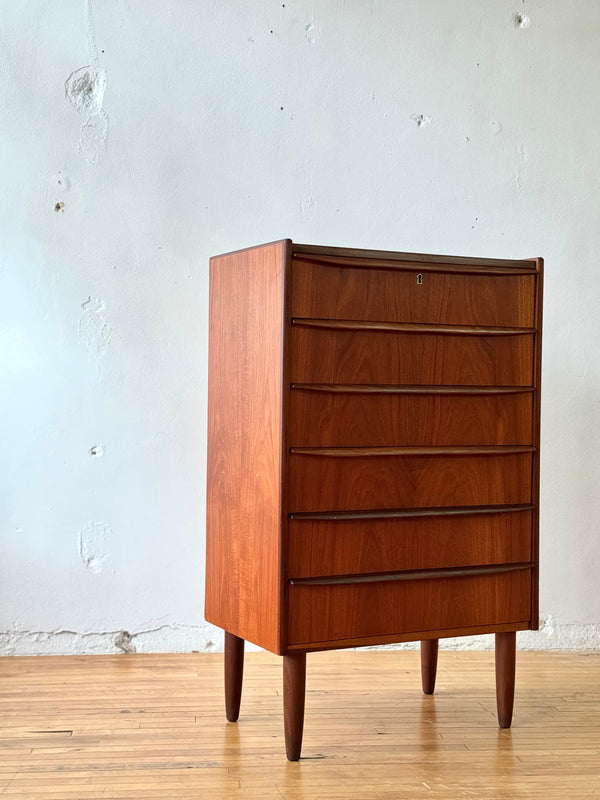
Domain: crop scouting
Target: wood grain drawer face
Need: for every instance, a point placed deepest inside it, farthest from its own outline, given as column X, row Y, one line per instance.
column 348, row 611
column 394, row 295
column 355, row 546
column 352, row 483
column 362, row 419
column 320, row 355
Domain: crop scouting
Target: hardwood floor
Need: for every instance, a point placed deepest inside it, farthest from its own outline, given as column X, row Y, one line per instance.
column 154, row 726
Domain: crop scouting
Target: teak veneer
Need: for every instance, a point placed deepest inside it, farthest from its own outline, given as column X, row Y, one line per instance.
column 373, row 456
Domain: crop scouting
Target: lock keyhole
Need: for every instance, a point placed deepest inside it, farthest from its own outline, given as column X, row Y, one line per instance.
column 419, row 278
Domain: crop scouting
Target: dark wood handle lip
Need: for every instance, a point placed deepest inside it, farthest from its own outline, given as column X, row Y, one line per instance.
column 409, row 513
column 411, row 262
column 413, row 636
column 411, row 575
column 358, row 452
column 410, row 327
column 376, row 388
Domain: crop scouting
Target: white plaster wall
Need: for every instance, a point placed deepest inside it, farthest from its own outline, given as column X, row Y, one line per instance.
column 445, row 126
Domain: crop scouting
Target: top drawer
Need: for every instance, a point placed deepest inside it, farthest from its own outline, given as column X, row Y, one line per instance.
column 325, row 291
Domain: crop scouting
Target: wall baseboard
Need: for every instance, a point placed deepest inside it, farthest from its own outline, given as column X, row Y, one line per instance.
column 553, row 635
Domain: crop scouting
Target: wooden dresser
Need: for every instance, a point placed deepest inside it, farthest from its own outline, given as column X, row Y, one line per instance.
column 373, row 456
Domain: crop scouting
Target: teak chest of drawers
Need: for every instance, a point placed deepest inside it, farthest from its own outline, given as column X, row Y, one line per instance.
column 373, row 456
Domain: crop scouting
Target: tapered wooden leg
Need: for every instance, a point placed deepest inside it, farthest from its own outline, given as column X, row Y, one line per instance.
column 505, row 676
column 234, row 674
column 429, row 658
column 294, row 684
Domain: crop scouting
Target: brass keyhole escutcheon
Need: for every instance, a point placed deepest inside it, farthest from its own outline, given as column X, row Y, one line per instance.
column 419, row 278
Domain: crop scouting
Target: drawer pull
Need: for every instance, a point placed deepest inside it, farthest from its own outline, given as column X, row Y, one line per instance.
column 470, row 266
column 410, row 327
column 412, row 575
column 365, row 388
column 407, row 513
column 349, row 452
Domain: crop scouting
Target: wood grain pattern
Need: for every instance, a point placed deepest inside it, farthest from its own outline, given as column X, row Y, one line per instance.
column 340, row 356
column 336, row 419
column 150, row 727
column 243, row 572
column 332, row 612
column 346, row 547
column 327, row 483
column 339, row 292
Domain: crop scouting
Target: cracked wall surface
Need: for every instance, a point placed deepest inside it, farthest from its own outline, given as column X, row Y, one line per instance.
column 205, row 638
column 137, row 145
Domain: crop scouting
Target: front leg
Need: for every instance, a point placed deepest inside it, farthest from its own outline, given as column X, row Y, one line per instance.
column 294, row 686
column 429, row 659
column 234, row 674
column 505, row 676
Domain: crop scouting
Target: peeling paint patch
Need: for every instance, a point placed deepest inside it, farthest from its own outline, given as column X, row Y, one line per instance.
column 93, row 545
column 311, row 31
column 521, row 172
column 421, row 119
column 94, row 330
column 59, row 206
column 84, row 89
column 152, row 639
column 523, row 154
column 123, row 640
column 521, row 20
column 97, row 451
column 308, row 207
column 90, row 32
column 176, row 638
column 92, row 138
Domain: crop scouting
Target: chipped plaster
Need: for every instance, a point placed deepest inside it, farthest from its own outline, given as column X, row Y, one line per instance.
column 84, row 90
column 205, row 638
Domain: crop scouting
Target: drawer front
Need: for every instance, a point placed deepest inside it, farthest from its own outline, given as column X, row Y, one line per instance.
column 355, row 546
column 321, row 355
column 348, row 611
column 337, row 483
column 390, row 295
column 360, row 418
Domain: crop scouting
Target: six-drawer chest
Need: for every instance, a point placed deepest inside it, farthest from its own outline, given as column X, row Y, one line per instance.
column 373, row 456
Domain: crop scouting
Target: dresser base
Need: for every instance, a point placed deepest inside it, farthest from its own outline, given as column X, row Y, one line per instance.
column 294, row 683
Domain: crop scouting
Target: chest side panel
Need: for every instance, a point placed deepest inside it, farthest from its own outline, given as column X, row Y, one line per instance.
column 243, row 558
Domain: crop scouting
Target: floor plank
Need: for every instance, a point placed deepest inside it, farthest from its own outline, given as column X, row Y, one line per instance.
column 153, row 726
